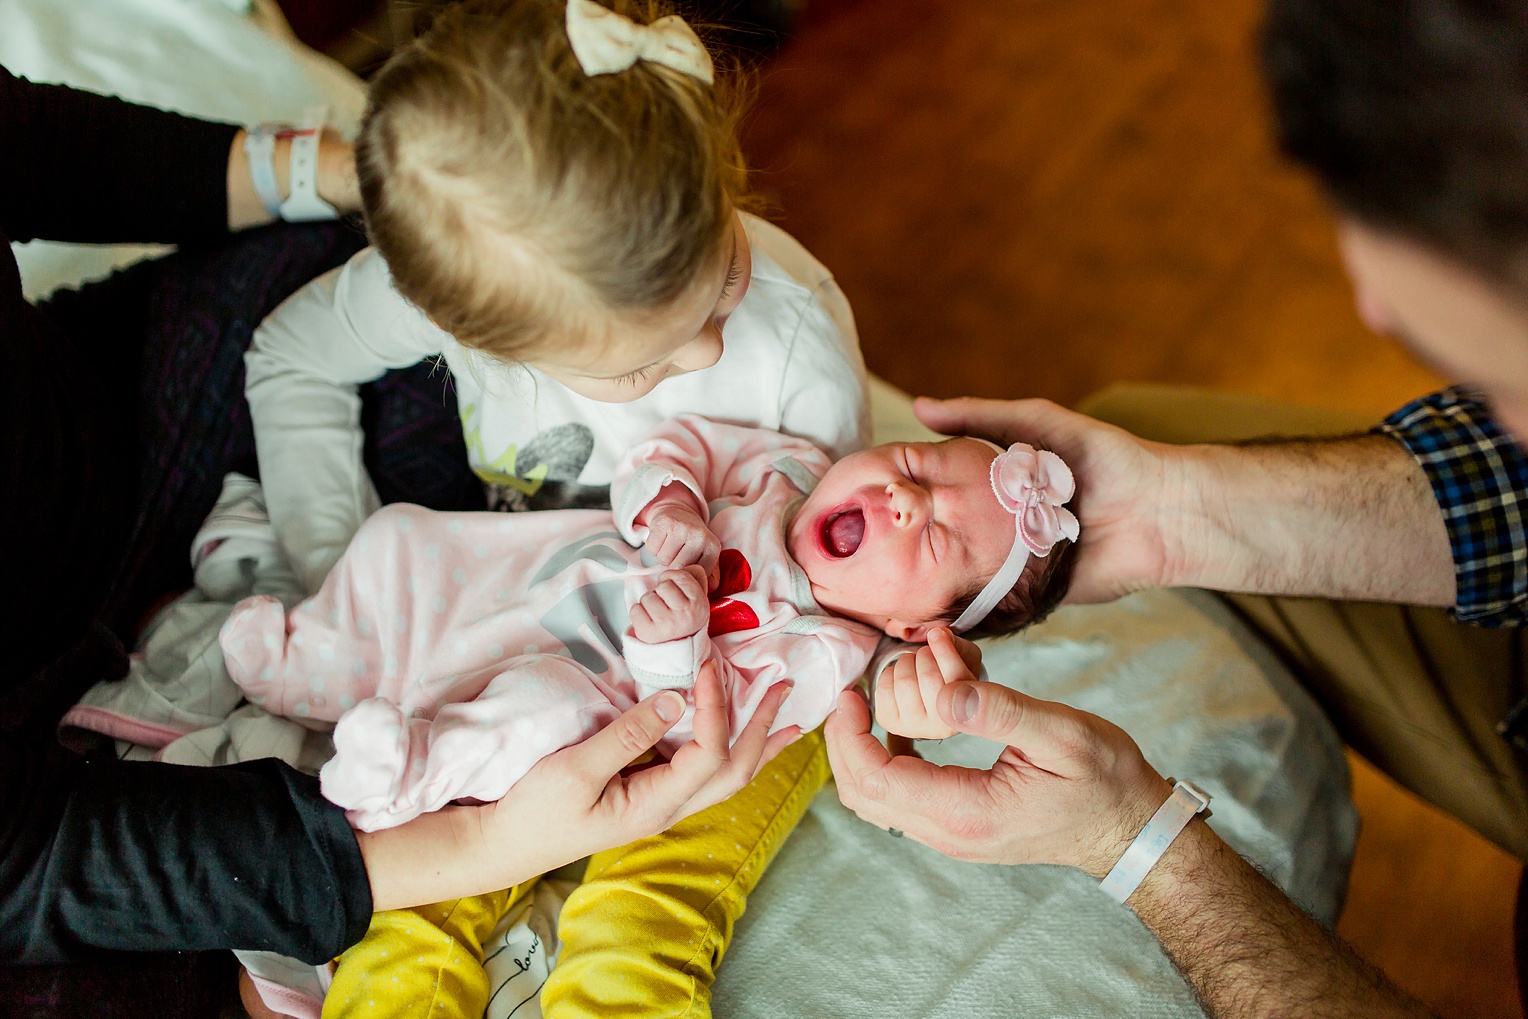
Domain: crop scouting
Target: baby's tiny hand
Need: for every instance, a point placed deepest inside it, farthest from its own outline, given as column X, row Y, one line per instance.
column 678, row 537
column 676, row 608
column 908, row 688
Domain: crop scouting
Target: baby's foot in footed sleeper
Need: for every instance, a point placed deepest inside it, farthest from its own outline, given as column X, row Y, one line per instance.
column 254, row 648
column 374, row 747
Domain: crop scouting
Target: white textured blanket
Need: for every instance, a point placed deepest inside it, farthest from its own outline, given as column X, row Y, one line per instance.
column 851, row 922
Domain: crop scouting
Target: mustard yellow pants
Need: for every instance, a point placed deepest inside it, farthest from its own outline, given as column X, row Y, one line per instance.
column 641, row 937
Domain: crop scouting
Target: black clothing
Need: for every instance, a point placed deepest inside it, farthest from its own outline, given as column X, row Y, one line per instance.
column 99, row 854
column 79, row 167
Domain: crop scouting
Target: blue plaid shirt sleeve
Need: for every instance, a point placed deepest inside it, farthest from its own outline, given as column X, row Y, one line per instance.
column 1479, row 475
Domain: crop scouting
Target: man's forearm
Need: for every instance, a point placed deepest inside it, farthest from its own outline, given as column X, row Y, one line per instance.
column 1333, row 518
column 1246, row 949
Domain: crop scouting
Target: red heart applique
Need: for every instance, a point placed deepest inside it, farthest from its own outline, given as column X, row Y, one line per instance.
column 727, row 615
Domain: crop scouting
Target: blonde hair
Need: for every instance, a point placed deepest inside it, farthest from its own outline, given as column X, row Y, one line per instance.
column 519, row 201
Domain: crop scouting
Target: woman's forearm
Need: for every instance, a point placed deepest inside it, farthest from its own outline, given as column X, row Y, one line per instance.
column 443, row 855
column 1341, row 518
column 144, row 856
column 336, row 181
column 1247, row 950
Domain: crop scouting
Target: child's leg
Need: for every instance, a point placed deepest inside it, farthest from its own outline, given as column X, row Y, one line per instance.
column 643, row 935
column 425, row 962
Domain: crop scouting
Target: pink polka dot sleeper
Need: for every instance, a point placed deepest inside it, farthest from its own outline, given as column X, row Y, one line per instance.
column 455, row 650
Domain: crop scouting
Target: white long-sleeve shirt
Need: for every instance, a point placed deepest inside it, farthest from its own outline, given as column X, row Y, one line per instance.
column 791, row 363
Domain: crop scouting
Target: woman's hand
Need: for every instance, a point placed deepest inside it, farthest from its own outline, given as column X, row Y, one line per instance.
column 336, row 182
column 582, row 799
column 1070, row 788
column 577, row 801
column 1126, row 487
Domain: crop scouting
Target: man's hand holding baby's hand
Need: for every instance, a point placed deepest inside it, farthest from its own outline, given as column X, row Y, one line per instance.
column 676, row 608
column 677, row 536
column 908, row 688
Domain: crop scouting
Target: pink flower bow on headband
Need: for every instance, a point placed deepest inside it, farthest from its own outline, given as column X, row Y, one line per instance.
column 1035, row 485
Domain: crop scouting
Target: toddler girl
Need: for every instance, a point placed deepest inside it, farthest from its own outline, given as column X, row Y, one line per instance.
column 457, row 649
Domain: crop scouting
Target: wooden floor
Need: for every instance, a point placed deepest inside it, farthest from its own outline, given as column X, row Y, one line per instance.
column 1040, row 198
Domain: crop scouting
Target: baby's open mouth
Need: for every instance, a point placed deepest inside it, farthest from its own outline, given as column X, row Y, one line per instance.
column 843, row 532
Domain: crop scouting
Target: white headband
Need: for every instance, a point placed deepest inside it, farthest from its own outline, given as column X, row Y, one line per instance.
column 1034, row 485
column 606, row 42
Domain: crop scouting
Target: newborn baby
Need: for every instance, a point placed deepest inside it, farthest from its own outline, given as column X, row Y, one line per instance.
column 457, row 649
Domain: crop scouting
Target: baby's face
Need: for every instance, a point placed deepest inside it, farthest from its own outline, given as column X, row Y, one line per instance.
column 893, row 535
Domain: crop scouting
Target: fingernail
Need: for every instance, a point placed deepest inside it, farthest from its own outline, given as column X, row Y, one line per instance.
column 965, row 703
column 669, row 706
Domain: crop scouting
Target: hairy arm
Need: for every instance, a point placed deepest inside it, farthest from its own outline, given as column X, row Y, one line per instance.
column 1249, row 952
column 1333, row 518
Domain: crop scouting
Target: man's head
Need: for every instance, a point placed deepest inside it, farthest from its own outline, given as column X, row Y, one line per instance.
column 1414, row 115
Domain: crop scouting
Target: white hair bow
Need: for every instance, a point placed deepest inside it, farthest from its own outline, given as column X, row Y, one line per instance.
column 606, row 42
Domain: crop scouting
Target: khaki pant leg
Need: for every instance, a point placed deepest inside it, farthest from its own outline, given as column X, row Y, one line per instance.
column 1416, row 693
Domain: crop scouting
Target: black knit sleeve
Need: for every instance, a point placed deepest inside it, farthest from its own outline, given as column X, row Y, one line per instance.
column 146, row 857
column 75, row 166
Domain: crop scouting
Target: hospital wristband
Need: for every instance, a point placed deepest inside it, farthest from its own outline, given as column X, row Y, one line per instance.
column 302, row 205
column 1171, row 818
column 260, row 151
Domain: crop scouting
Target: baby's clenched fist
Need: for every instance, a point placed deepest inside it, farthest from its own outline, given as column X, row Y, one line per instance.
column 676, row 608
column 907, row 691
column 678, row 537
